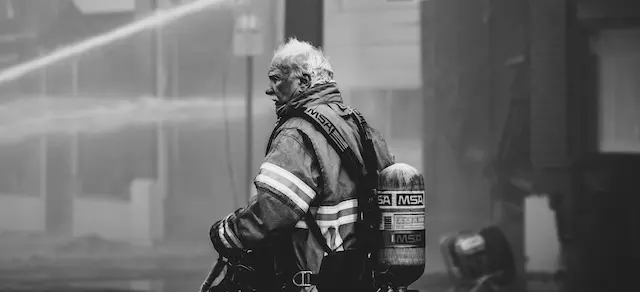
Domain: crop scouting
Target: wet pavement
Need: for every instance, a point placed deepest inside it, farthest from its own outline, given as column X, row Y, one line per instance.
column 179, row 280
column 31, row 263
column 175, row 284
column 160, row 275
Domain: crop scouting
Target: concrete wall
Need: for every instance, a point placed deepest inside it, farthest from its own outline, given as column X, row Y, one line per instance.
column 373, row 43
column 139, row 221
column 22, row 213
column 103, row 216
column 542, row 247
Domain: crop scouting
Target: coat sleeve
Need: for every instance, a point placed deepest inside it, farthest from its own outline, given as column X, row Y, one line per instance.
column 286, row 184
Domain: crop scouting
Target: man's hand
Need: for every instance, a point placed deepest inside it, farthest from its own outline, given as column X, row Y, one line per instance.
column 216, row 240
column 224, row 240
column 217, row 273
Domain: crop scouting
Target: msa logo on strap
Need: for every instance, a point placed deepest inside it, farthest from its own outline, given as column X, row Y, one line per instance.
column 322, row 120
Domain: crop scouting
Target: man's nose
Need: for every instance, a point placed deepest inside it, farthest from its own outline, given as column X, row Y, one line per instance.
column 269, row 91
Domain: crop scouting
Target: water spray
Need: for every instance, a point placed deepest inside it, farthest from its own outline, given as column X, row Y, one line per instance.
column 34, row 117
column 29, row 117
column 156, row 19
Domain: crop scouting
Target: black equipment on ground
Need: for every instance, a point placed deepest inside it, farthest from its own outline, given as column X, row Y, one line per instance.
column 479, row 259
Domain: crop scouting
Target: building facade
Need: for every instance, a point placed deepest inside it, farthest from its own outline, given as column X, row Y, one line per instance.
column 546, row 94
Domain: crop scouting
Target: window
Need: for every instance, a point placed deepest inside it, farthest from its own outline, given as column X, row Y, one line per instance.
column 109, row 162
column 20, row 167
column 618, row 53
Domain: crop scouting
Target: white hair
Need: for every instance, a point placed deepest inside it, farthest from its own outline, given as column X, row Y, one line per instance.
column 303, row 58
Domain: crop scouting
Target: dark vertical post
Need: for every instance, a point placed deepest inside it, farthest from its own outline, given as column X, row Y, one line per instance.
column 430, row 117
column 159, row 92
column 304, row 19
column 249, row 93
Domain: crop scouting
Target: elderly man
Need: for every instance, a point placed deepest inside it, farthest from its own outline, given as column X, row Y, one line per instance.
column 304, row 182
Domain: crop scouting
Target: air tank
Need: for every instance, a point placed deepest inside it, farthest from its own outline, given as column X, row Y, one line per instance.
column 401, row 256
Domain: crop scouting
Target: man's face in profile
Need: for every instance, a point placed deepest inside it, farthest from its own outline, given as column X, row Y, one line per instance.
column 282, row 84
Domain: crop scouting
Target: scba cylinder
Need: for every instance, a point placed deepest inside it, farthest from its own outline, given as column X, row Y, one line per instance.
column 401, row 201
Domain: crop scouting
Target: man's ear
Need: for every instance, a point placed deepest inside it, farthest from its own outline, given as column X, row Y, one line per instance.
column 305, row 80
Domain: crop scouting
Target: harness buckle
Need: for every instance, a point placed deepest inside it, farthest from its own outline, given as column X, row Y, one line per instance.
column 304, row 278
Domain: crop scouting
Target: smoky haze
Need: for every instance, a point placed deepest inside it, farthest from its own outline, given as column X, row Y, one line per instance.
column 115, row 163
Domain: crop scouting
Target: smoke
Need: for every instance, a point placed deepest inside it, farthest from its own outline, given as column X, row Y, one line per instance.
column 36, row 116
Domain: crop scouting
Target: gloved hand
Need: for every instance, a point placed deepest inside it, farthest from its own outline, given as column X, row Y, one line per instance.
column 217, row 273
column 214, row 235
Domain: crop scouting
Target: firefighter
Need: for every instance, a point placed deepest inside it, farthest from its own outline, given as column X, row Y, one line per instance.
column 302, row 173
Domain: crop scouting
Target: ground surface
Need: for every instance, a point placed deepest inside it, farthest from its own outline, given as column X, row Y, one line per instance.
column 94, row 264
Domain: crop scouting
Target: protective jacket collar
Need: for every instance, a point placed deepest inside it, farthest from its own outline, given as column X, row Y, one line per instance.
column 318, row 94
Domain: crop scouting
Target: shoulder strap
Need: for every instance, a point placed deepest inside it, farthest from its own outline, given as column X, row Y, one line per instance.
column 368, row 153
column 368, row 211
column 321, row 117
column 318, row 117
